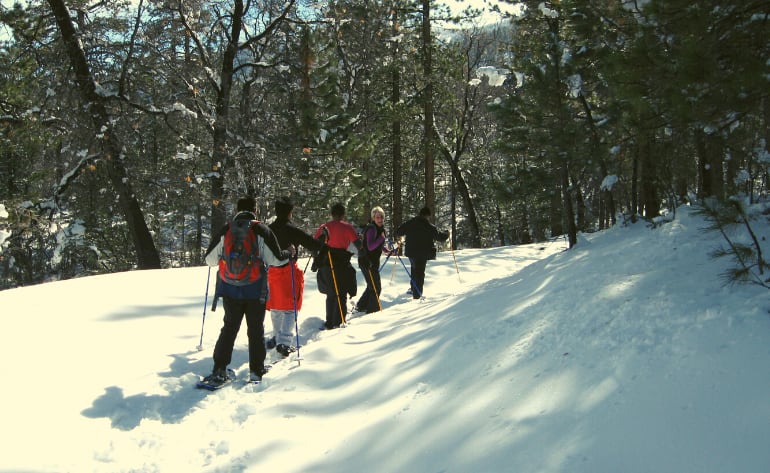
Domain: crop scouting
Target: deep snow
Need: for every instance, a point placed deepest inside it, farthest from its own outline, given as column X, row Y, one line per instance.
column 624, row 354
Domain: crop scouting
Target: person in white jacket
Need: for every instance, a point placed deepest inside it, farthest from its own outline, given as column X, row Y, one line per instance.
column 242, row 284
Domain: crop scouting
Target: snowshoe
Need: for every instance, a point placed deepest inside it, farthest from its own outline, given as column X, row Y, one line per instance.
column 219, row 378
column 285, row 350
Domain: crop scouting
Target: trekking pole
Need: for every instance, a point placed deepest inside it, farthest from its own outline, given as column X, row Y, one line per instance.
column 411, row 280
column 456, row 267
column 336, row 290
column 205, row 303
column 294, row 300
column 397, row 249
column 384, row 263
column 374, row 287
column 310, row 258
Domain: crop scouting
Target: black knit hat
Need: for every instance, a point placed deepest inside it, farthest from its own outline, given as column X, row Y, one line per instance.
column 246, row 204
column 283, row 207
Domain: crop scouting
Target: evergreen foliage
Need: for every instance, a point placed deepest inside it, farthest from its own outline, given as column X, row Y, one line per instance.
column 733, row 221
column 606, row 108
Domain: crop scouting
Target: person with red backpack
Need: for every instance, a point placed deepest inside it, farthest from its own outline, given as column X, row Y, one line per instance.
column 336, row 276
column 242, row 250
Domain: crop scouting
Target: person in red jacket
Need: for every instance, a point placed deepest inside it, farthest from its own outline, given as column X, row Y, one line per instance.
column 282, row 303
column 336, row 276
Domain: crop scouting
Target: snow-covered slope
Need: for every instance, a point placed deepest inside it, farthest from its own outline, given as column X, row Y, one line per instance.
column 624, row 354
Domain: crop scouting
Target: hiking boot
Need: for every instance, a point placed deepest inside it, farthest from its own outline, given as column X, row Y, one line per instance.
column 218, row 376
column 255, row 377
column 285, row 350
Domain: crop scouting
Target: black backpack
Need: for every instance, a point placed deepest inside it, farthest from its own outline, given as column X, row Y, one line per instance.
column 363, row 249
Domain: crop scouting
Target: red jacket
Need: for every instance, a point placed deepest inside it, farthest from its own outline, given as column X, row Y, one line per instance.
column 341, row 234
column 279, row 282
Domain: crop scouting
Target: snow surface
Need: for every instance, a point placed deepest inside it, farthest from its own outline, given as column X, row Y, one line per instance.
column 624, row 354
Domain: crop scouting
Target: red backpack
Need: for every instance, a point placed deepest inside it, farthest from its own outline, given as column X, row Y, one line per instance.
column 241, row 263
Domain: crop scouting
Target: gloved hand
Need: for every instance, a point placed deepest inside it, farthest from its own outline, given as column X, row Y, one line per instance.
column 319, row 258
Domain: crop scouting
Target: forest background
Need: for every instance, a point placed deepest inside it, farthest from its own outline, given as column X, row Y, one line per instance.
column 128, row 129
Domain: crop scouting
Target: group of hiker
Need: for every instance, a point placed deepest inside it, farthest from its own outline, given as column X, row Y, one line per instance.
column 258, row 271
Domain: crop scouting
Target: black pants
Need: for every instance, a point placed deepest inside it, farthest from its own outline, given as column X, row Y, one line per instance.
column 418, row 276
column 333, row 314
column 235, row 310
column 370, row 299
column 337, row 279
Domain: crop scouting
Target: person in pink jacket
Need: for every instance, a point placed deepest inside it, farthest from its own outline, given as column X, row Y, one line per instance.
column 336, row 276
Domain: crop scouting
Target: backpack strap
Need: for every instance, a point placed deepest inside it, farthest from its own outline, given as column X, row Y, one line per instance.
column 263, row 290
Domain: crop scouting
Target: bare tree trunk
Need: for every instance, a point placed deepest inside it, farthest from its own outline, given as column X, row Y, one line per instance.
column 635, row 182
column 581, row 210
column 648, row 193
column 709, row 165
column 198, row 234
column 220, row 154
column 556, row 213
column 606, row 202
column 146, row 252
column 500, row 228
column 453, row 211
column 569, row 211
column 453, row 152
column 563, row 153
column 524, row 236
column 427, row 44
column 462, row 187
column 395, row 96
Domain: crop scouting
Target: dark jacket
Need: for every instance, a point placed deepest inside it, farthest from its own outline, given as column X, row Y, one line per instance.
column 289, row 234
column 257, row 290
column 373, row 239
column 343, row 280
column 420, row 235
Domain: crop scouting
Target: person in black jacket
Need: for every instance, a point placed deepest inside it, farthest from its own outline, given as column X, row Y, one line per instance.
column 282, row 304
column 243, row 299
column 420, row 235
